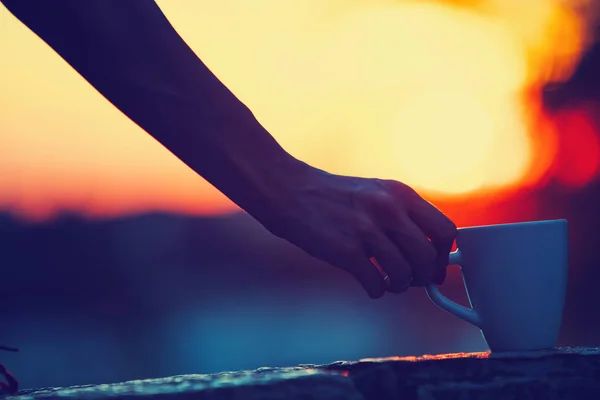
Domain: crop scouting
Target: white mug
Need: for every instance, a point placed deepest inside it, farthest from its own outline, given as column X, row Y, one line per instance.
column 515, row 276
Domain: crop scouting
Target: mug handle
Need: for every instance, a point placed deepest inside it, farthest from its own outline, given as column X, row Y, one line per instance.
column 466, row 314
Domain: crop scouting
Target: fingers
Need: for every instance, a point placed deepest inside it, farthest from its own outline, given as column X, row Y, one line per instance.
column 417, row 249
column 366, row 274
column 422, row 232
column 408, row 237
column 439, row 229
column 394, row 264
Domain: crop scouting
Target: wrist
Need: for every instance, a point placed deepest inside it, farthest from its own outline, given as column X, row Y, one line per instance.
column 239, row 157
column 274, row 185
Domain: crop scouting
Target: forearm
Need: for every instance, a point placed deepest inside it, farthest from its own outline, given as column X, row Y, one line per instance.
column 131, row 54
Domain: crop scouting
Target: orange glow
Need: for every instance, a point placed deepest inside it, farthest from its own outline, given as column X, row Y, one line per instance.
column 429, row 93
column 428, row 357
column 470, row 155
column 545, row 141
column 579, row 157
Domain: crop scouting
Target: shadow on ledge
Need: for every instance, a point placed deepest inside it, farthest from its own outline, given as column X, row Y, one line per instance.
column 565, row 373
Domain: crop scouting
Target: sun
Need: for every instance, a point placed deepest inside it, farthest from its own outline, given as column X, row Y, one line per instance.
column 455, row 142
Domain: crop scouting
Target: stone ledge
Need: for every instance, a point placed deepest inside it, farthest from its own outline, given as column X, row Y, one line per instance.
column 566, row 373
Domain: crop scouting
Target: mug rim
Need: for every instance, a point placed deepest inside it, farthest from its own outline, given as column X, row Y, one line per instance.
column 515, row 224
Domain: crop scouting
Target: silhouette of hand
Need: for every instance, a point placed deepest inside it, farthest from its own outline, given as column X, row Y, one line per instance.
column 346, row 220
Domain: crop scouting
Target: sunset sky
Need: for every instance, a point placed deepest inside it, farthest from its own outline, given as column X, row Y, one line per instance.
column 431, row 94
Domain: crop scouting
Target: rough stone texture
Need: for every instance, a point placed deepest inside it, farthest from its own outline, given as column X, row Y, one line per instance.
column 567, row 373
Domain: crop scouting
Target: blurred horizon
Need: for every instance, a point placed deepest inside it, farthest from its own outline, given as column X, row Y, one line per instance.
column 140, row 296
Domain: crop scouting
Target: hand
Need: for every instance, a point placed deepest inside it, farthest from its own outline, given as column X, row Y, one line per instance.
column 345, row 221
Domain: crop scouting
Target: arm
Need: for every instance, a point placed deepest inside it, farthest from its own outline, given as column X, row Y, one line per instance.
column 131, row 54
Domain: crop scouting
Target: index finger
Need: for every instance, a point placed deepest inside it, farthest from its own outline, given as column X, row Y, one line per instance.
column 440, row 230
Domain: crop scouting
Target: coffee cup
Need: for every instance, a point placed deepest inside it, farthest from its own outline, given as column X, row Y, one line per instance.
column 515, row 276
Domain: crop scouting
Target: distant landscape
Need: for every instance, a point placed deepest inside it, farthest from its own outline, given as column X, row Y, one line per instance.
column 90, row 301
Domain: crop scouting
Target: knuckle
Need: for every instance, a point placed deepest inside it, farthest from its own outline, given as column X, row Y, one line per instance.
column 391, row 185
column 449, row 229
column 401, row 190
column 373, row 195
column 364, row 227
column 351, row 252
column 381, row 194
column 410, row 192
column 360, row 192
